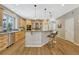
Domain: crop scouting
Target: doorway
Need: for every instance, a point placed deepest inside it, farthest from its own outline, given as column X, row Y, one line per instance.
column 69, row 29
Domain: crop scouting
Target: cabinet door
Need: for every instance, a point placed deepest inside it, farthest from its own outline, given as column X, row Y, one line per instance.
column 22, row 22
column 28, row 38
column 69, row 29
column 1, row 16
column 36, row 38
column 3, row 42
column 19, row 35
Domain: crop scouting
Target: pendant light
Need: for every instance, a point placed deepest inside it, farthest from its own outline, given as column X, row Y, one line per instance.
column 52, row 21
column 62, row 5
column 35, row 11
column 45, row 12
column 52, row 16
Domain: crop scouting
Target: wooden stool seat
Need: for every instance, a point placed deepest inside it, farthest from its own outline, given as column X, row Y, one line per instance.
column 51, row 40
column 49, row 36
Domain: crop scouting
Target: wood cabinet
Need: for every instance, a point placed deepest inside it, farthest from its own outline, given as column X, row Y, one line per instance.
column 22, row 22
column 1, row 16
column 19, row 35
column 3, row 41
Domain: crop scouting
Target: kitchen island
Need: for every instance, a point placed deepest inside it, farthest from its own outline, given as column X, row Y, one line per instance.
column 36, row 38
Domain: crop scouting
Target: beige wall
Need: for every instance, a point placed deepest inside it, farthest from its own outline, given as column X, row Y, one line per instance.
column 73, row 14
column 61, row 31
column 77, row 26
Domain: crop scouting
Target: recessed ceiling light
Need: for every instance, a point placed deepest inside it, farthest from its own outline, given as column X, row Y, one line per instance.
column 17, row 4
column 62, row 5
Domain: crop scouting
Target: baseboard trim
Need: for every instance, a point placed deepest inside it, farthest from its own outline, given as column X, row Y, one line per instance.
column 60, row 37
column 70, row 41
column 33, row 46
column 76, row 44
column 37, row 45
column 44, row 43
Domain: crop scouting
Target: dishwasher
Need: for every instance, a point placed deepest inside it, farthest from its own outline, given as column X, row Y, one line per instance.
column 11, row 39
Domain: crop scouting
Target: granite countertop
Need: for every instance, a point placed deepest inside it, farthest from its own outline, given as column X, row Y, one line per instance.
column 9, row 32
column 39, row 31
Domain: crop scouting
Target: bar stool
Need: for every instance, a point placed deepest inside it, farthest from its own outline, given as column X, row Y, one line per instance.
column 52, row 40
column 49, row 36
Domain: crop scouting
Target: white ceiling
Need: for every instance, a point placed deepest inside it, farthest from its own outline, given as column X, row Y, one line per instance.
column 28, row 10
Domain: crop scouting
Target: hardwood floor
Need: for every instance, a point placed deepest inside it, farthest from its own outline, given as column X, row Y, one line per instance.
column 62, row 47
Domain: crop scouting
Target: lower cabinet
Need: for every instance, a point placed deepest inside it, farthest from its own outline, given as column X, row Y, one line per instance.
column 36, row 38
column 3, row 41
column 6, row 41
column 19, row 35
column 33, row 39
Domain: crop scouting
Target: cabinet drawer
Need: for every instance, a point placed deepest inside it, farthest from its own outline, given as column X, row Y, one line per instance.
column 3, row 40
column 2, row 46
column 3, row 36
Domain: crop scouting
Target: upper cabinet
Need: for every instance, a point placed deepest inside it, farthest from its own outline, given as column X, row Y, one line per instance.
column 1, row 17
column 28, row 22
column 34, row 25
column 45, row 25
column 22, row 23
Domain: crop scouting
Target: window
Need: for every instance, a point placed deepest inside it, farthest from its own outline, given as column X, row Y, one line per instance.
column 8, row 22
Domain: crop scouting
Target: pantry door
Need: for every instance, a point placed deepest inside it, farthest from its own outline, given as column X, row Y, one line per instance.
column 69, row 29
